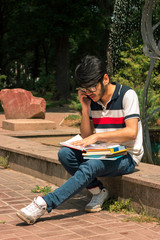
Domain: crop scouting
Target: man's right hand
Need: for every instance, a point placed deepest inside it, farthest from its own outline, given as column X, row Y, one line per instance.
column 84, row 100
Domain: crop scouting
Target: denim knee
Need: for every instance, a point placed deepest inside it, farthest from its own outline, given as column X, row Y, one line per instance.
column 92, row 167
column 62, row 154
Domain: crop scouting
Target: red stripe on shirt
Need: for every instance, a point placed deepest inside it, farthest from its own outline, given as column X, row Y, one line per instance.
column 108, row 120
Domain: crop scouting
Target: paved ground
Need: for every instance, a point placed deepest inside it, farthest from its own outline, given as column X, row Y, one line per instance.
column 68, row 221
column 57, row 117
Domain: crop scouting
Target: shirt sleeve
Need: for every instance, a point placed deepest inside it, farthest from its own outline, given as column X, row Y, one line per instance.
column 131, row 105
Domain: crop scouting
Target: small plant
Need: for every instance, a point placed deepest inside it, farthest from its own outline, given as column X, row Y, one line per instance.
column 118, row 206
column 75, row 104
column 4, row 162
column 142, row 218
column 113, row 205
column 3, row 221
column 43, row 190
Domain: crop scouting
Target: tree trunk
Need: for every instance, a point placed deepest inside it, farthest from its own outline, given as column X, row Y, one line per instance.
column 107, row 10
column 35, row 68
column 62, row 68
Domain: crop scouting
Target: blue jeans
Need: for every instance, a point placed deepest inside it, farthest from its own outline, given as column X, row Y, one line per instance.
column 84, row 173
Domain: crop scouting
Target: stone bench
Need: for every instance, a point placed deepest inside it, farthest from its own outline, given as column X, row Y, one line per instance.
column 142, row 186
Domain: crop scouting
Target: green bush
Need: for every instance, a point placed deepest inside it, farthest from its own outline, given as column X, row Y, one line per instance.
column 118, row 206
column 4, row 162
column 2, row 79
column 153, row 102
column 133, row 73
column 45, row 83
column 134, row 68
column 75, row 104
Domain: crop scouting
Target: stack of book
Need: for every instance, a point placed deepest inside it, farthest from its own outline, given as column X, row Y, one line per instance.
column 108, row 153
column 97, row 151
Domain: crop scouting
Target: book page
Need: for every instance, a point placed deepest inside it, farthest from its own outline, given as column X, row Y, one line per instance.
column 68, row 143
column 100, row 146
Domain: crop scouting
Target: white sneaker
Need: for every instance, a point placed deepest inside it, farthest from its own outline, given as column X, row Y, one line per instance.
column 95, row 205
column 33, row 211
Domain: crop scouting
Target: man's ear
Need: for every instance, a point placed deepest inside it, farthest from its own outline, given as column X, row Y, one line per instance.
column 105, row 80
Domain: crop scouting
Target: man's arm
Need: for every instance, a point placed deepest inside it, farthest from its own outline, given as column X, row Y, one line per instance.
column 86, row 127
column 119, row 136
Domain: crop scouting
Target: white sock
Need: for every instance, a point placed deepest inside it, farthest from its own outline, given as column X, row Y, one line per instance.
column 95, row 190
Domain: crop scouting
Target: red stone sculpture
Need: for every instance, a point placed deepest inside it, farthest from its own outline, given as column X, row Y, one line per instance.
column 21, row 104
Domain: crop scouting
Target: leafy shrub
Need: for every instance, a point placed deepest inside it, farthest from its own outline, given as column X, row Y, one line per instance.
column 118, row 206
column 153, row 102
column 2, row 80
column 133, row 73
column 75, row 104
column 4, row 162
column 134, row 68
column 45, row 83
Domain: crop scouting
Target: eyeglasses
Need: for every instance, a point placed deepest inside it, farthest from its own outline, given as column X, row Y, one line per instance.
column 90, row 89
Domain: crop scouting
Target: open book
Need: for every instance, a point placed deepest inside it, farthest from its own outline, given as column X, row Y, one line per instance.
column 98, row 150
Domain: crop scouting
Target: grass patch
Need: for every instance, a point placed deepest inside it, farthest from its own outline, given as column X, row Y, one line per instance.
column 73, row 117
column 125, row 207
column 72, row 120
column 4, row 162
column 143, row 217
column 44, row 190
column 2, row 221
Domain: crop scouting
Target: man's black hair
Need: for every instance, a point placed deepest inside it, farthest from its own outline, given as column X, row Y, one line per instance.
column 90, row 71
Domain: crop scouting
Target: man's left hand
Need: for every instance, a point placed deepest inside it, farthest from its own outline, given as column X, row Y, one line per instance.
column 86, row 141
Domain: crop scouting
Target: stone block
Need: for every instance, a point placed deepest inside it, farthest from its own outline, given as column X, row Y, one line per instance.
column 28, row 124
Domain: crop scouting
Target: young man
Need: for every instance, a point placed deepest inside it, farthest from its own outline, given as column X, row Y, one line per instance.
column 110, row 113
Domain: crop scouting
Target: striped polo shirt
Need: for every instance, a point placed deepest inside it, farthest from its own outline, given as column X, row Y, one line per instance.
column 122, row 106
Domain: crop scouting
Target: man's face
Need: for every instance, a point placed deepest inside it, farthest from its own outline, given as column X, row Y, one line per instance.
column 95, row 92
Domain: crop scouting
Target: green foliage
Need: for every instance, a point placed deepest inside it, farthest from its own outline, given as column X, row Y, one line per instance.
column 112, row 205
column 143, row 217
column 134, row 68
column 50, row 102
column 153, row 102
column 2, row 221
column 126, row 23
column 45, row 83
column 75, row 104
column 72, row 117
column 2, row 79
column 134, row 72
column 43, row 190
column 4, row 162
column 34, row 34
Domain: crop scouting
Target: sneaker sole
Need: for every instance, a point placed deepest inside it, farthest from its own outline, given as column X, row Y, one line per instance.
column 24, row 218
column 93, row 210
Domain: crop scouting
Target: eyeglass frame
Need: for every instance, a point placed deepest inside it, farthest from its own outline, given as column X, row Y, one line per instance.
column 90, row 89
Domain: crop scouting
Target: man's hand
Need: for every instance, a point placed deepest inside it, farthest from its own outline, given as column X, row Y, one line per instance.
column 84, row 100
column 86, row 141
